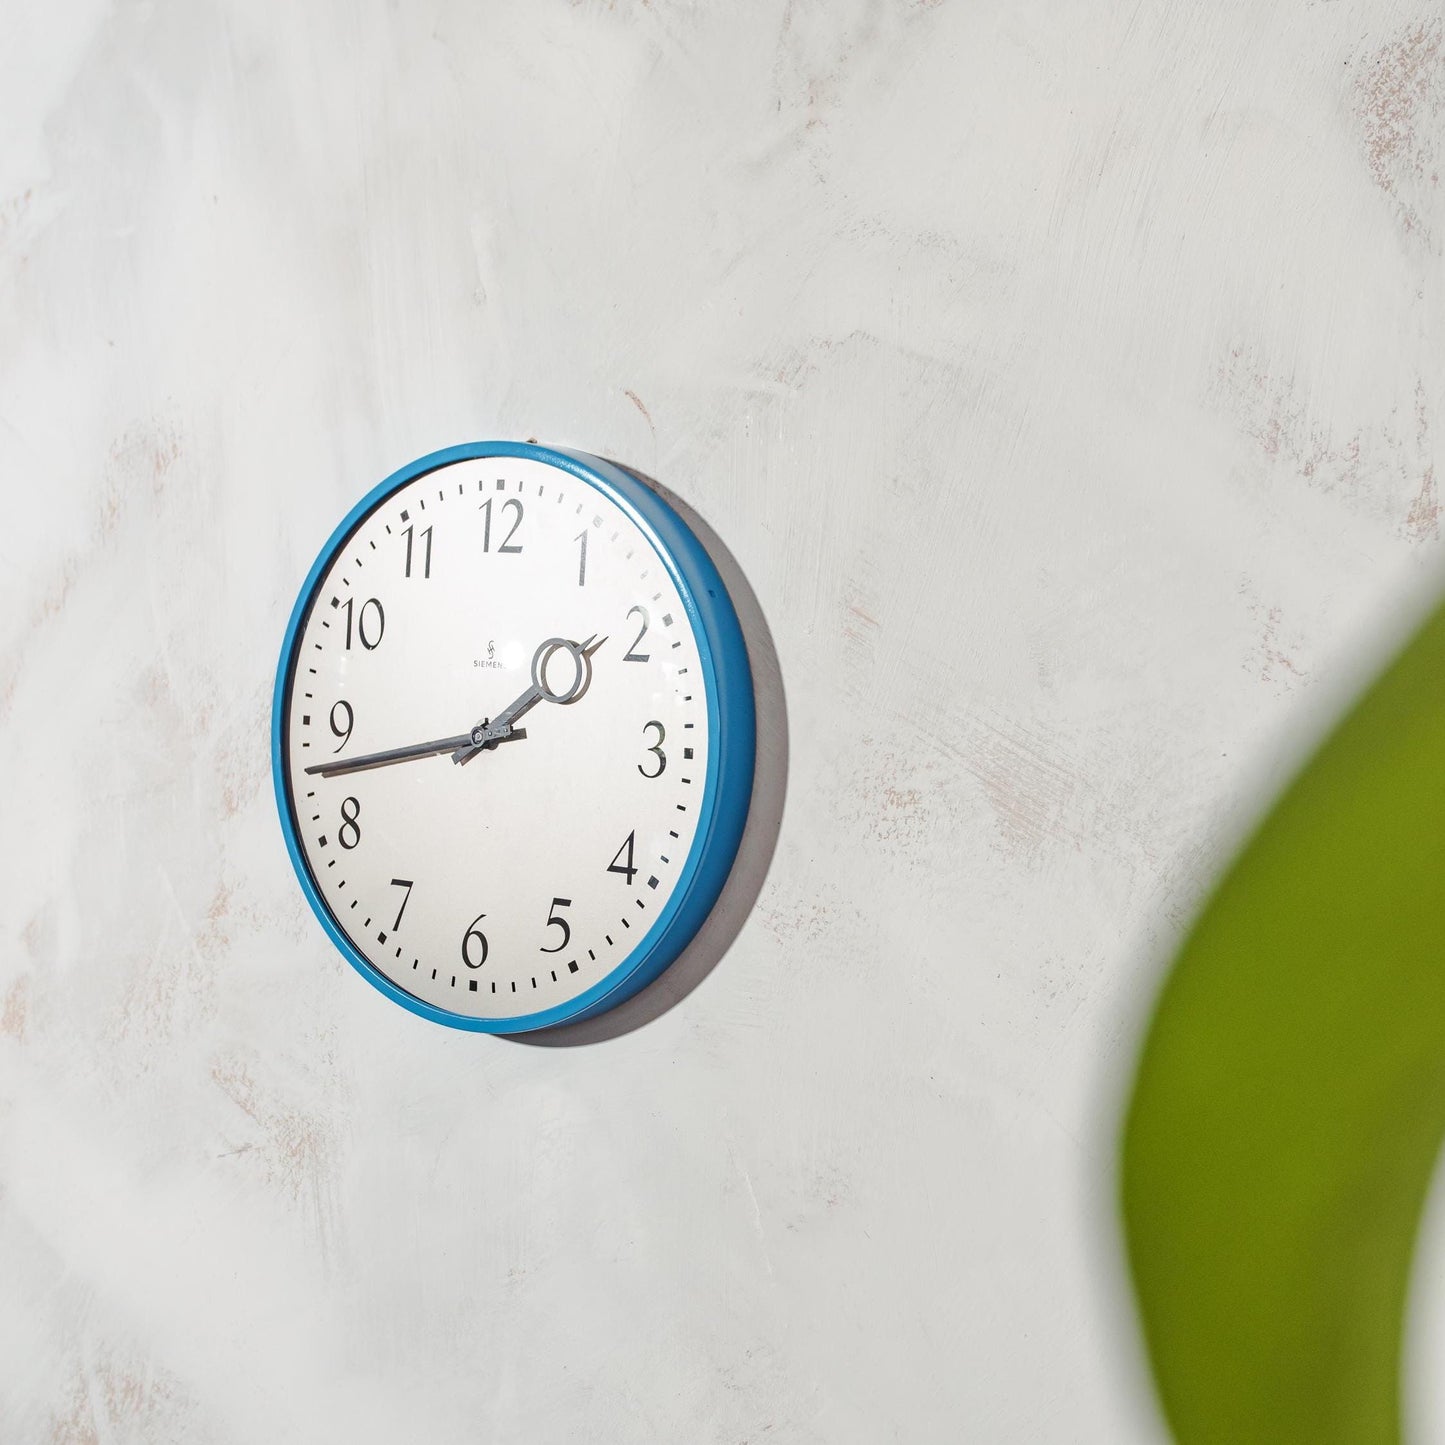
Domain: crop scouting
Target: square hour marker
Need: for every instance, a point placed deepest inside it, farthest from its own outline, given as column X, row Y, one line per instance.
column 572, row 967
column 405, row 515
column 472, row 984
column 652, row 882
column 667, row 619
column 687, row 754
column 336, row 602
column 321, row 841
column 381, row 938
column 501, row 485
column 306, row 719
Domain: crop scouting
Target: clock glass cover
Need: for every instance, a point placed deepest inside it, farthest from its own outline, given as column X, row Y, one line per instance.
column 513, row 736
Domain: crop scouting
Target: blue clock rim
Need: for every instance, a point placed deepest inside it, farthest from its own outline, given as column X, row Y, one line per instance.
column 727, row 787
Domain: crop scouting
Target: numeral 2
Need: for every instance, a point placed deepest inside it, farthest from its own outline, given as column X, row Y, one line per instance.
column 633, row 656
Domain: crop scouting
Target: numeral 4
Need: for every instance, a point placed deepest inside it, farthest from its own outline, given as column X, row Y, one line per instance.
column 626, row 869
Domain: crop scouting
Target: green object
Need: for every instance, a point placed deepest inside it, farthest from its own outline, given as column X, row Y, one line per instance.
column 1290, row 1098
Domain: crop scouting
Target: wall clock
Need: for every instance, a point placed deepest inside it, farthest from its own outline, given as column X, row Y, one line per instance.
column 512, row 736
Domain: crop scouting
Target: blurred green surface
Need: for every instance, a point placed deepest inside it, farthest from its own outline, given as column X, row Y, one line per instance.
column 1290, row 1097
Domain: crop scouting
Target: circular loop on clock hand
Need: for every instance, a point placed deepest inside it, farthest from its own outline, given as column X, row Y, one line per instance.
column 491, row 730
column 544, row 655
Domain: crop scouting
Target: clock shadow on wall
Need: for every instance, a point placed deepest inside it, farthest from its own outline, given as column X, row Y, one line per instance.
column 760, row 836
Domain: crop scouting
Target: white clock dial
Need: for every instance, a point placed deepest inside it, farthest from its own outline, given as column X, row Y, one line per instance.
column 509, row 883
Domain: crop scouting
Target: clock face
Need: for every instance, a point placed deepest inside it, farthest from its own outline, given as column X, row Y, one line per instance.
column 494, row 737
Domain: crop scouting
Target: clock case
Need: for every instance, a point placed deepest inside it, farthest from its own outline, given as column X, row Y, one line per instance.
column 731, row 722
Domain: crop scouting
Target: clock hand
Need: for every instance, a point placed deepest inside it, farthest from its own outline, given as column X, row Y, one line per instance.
column 539, row 689
column 487, row 732
column 495, row 729
column 402, row 755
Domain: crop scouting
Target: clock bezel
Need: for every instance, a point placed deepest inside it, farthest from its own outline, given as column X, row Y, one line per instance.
column 728, row 690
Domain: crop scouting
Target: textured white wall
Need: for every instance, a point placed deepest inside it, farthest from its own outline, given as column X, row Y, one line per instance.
column 1067, row 380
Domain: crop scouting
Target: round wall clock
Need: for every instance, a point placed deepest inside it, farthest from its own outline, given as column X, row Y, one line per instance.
column 512, row 736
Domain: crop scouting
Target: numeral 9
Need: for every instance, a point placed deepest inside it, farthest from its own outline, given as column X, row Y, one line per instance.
column 341, row 729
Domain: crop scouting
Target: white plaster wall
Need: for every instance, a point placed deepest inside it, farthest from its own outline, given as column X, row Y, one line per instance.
column 1066, row 379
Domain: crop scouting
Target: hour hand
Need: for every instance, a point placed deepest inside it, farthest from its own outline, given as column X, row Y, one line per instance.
column 487, row 731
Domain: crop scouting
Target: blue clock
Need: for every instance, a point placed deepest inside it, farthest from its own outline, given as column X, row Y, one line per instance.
column 513, row 736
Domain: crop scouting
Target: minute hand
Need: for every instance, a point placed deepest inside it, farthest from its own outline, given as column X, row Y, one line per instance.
column 391, row 755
